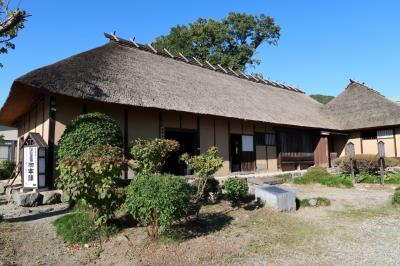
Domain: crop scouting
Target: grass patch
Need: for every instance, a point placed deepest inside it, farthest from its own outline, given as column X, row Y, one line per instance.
column 272, row 231
column 390, row 178
column 80, row 227
column 320, row 202
column 366, row 213
column 319, row 175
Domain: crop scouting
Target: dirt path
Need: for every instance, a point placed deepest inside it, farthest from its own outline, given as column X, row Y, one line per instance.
column 357, row 229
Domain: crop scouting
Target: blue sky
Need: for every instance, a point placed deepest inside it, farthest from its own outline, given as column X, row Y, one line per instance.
column 322, row 45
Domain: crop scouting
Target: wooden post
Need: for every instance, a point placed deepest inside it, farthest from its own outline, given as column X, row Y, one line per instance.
column 352, row 155
column 381, row 152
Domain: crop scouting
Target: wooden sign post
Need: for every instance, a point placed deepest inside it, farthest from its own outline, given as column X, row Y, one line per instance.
column 352, row 155
column 381, row 153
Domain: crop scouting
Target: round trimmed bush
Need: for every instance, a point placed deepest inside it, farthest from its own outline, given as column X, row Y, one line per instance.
column 156, row 201
column 88, row 130
column 235, row 189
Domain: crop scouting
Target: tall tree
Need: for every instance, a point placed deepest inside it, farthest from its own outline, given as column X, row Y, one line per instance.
column 11, row 21
column 230, row 42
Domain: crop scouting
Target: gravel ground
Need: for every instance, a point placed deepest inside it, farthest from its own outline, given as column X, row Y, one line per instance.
column 357, row 229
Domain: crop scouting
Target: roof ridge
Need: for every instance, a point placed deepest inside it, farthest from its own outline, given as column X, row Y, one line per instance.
column 194, row 61
column 362, row 84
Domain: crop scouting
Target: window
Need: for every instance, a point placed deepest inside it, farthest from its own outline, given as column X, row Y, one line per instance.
column 270, row 139
column 259, row 139
column 247, row 143
column 385, row 134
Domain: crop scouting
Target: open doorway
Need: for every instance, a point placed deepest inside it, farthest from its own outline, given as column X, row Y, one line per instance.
column 242, row 153
column 236, row 152
column 188, row 143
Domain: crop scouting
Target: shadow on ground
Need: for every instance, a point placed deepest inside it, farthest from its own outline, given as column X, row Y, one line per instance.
column 206, row 224
column 37, row 216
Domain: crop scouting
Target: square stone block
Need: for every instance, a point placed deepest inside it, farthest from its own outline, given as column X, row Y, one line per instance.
column 276, row 197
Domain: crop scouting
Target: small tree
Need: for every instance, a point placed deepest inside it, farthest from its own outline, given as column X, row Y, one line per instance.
column 92, row 178
column 157, row 200
column 149, row 155
column 1, row 139
column 88, row 130
column 204, row 167
column 236, row 189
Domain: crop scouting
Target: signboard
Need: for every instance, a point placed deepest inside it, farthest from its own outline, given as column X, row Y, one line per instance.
column 381, row 149
column 247, row 143
column 30, row 165
column 351, row 150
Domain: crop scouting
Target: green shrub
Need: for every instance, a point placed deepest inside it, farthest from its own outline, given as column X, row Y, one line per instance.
column 88, row 130
column 92, row 179
column 149, row 155
column 204, row 167
column 305, row 203
column 319, row 175
column 81, row 227
column 6, row 169
column 364, row 163
column 158, row 200
column 396, row 197
column 313, row 174
column 320, row 201
column 285, row 177
column 235, row 189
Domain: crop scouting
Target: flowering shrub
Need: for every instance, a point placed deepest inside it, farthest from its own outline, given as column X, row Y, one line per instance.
column 92, row 178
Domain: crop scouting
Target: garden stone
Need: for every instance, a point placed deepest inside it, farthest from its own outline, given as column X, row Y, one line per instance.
column 2, row 188
column 51, row 197
column 276, row 197
column 395, row 169
column 313, row 202
column 29, row 199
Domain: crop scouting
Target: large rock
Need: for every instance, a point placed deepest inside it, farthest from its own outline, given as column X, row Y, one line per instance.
column 276, row 197
column 51, row 197
column 27, row 199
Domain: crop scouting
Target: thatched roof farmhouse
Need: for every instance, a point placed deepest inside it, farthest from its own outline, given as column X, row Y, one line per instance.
column 153, row 93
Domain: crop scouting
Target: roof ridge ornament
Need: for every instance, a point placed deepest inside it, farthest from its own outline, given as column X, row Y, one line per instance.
column 223, row 69
column 171, row 55
column 114, row 36
column 132, row 40
column 233, row 71
column 209, row 64
column 243, row 74
column 164, row 52
column 184, row 58
column 152, row 48
column 197, row 61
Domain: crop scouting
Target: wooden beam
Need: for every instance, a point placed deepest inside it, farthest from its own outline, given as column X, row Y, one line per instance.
column 50, row 143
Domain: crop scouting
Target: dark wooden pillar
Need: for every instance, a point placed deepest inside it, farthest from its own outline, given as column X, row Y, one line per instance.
column 126, row 144
column 51, row 150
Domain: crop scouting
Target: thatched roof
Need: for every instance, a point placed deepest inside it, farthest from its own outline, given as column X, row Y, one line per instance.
column 362, row 107
column 122, row 73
